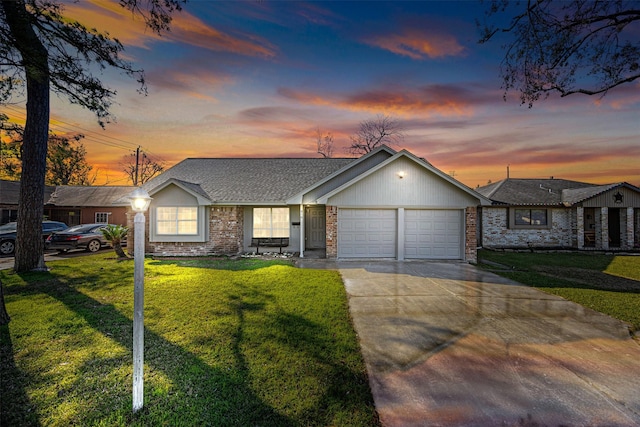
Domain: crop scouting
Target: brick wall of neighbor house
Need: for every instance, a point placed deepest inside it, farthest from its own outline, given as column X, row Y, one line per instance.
column 332, row 231
column 636, row 240
column 471, row 240
column 225, row 236
column 497, row 234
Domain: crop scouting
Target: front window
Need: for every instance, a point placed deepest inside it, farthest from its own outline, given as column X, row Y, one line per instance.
column 271, row 222
column 102, row 217
column 177, row 220
column 530, row 217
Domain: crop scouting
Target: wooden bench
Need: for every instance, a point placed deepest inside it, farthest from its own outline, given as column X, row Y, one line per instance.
column 269, row 241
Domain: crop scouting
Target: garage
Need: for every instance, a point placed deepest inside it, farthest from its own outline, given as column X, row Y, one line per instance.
column 426, row 233
column 433, row 234
column 367, row 233
column 402, row 208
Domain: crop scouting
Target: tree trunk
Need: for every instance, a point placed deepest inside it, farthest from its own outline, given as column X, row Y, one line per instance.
column 4, row 316
column 29, row 253
column 119, row 251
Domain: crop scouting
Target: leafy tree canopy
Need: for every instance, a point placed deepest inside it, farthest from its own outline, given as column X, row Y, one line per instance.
column 43, row 51
column 66, row 157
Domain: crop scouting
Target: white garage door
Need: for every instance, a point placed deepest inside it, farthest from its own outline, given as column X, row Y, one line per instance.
column 433, row 234
column 367, row 233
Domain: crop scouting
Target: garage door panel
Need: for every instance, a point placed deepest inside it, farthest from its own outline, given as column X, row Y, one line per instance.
column 434, row 234
column 372, row 233
column 367, row 233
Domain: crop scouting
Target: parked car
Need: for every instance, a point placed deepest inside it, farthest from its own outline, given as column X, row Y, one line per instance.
column 8, row 234
column 85, row 236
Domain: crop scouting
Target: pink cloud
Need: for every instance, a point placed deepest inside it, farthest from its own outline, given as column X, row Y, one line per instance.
column 443, row 100
column 418, row 44
column 185, row 28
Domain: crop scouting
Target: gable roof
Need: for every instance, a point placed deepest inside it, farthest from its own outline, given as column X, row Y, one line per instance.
column 347, row 172
column 422, row 162
column 545, row 192
column 573, row 196
column 249, row 180
column 79, row 196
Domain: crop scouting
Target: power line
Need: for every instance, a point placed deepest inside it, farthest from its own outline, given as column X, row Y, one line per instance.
column 89, row 134
column 92, row 136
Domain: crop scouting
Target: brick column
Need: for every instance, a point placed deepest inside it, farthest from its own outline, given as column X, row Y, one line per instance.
column 471, row 239
column 580, row 227
column 604, row 228
column 332, row 231
column 130, row 214
column 226, row 229
column 630, row 230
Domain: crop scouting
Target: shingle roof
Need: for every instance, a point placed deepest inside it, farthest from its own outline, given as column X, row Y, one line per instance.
column 69, row 195
column 535, row 192
column 250, row 180
column 10, row 192
column 572, row 196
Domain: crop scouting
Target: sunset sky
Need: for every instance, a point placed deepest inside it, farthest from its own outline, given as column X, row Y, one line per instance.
column 257, row 78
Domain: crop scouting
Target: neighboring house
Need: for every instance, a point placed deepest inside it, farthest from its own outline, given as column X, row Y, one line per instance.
column 386, row 204
column 9, row 195
column 75, row 205
column 557, row 213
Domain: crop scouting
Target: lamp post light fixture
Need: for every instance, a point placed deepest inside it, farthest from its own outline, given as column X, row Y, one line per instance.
column 140, row 201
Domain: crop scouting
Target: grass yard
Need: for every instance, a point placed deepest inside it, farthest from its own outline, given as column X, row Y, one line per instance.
column 227, row 343
column 609, row 284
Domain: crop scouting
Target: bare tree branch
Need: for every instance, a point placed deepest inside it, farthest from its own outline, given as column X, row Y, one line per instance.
column 567, row 47
column 374, row 133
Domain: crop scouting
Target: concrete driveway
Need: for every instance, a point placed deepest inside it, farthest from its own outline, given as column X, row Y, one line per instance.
column 447, row 344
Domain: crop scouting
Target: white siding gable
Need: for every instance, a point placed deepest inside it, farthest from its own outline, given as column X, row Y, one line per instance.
column 419, row 187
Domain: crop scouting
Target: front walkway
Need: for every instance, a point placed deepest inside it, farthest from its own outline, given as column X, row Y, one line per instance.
column 447, row 344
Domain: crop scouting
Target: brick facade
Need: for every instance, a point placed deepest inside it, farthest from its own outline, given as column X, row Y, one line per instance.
column 226, row 229
column 497, row 234
column 567, row 230
column 471, row 239
column 332, row 231
column 226, row 236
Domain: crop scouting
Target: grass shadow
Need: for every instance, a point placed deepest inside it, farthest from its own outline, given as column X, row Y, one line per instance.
column 16, row 409
column 188, row 379
column 220, row 397
column 221, row 263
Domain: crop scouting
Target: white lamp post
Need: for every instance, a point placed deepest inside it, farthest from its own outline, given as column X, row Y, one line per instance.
column 140, row 201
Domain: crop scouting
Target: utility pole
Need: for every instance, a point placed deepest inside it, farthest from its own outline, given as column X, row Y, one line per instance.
column 135, row 179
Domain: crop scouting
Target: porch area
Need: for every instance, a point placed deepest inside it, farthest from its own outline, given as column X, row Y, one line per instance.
column 606, row 228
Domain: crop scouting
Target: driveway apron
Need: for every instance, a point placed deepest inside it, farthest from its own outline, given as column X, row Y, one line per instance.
column 447, row 344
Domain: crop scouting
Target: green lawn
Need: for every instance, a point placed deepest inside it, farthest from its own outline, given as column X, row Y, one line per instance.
column 227, row 343
column 609, row 284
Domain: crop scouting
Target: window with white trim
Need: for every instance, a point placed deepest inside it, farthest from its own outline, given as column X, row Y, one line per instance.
column 102, row 217
column 176, row 220
column 270, row 222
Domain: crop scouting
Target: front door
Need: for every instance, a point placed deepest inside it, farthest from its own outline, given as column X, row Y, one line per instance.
column 315, row 227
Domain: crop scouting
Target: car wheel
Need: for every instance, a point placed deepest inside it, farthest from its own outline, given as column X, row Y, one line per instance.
column 7, row 247
column 94, row 246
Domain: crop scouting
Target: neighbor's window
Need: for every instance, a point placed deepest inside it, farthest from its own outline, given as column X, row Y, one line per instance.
column 270, row 222
column 102, row 217
column 530, row 217
column 177, row 220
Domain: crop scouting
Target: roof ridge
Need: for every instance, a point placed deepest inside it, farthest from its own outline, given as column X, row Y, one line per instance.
column 499, row 185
